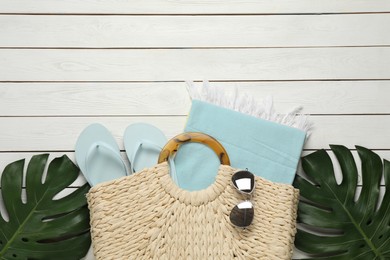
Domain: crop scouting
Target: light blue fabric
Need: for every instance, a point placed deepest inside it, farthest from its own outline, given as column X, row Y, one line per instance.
column 266, row 148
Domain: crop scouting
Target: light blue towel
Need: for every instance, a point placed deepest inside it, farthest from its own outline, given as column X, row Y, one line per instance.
column 267, row 149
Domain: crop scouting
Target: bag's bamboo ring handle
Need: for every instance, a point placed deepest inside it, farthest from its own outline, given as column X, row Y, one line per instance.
column 193, row 137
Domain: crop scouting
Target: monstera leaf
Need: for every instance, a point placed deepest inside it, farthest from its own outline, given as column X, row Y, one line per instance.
column 43, row 227
column 334, row 224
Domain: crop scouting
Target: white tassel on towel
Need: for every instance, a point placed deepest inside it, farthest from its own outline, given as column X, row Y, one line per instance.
column 248, row 105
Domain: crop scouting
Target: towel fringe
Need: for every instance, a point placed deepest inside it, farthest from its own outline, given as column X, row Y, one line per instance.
column 246, row 104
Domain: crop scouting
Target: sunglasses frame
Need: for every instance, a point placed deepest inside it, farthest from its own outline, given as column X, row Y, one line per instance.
column 234, row 212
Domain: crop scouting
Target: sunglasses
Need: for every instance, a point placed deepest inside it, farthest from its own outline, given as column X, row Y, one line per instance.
column 242, row 214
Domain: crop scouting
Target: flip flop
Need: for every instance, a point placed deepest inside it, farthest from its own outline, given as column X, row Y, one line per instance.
column 98, row 155
column 143, row 143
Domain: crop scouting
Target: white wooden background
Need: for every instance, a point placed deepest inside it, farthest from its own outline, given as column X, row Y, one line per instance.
column 66, row 64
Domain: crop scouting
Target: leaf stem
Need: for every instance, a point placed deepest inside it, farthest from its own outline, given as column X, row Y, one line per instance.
column 21, row 226
column 368, row 240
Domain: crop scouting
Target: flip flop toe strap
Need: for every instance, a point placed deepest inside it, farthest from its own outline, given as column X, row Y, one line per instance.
column 138, row 146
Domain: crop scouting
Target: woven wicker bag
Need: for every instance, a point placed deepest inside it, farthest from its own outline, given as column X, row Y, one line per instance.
column 147, row 216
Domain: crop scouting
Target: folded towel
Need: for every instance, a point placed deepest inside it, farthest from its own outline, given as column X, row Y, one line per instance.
column 254, row 136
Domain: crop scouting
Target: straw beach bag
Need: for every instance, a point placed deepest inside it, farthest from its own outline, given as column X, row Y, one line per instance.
column 147, row 216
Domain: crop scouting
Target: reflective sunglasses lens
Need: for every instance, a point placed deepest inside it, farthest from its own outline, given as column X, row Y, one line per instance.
column 244, row 181
column 242, row 214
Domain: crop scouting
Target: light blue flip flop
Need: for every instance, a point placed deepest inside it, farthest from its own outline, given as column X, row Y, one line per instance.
column 98, row 155
column 143, row 143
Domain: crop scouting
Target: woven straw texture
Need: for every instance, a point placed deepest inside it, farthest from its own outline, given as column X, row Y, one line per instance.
column 146, row 216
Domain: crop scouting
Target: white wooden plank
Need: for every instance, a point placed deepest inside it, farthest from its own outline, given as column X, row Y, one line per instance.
column 368, row 131
column 320, row 97
column 7, row 158
column 192, row 7
column 194, row 31
column 96, row 99
column 60, row 133
column 171, row 98
column 195, row 64
column 44, row 134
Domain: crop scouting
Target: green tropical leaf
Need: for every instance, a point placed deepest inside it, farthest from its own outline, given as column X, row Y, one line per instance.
column 333, row 224
column 43, row 228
